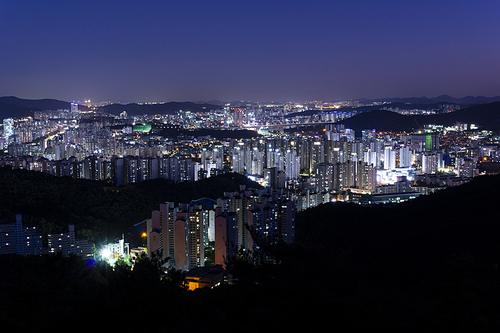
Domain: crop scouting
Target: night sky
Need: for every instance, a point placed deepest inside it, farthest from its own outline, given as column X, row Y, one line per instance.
column 248, row 50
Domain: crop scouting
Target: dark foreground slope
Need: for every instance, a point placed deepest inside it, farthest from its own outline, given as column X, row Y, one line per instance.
column 460, row 220
column 426, row 266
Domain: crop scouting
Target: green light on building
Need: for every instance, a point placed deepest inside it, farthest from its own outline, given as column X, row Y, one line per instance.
column 142, row 127
column 428, row 142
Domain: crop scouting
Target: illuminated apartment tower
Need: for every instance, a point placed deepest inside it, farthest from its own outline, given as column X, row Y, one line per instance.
column 226, row 234
column 238, row 117
column 405, row 155
column 181, row 233
column 276, row 216
column 286, row 223
column 8, row 129
column 430, row 162
column 257, row 162
column 161, row 231
column 239, row 203
column 366, row 177
column 424, row 141
column 466, row 167
column 338, row 177
column 292, row 165
column 350, row 172
column 238, row 160
column 188, row 238
column 317, row 155
column 324, row 177
column 371, row 157
column 265, row 210
column 389, row 158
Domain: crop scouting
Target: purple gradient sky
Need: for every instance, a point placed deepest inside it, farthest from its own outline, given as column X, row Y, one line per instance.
column 248, row 50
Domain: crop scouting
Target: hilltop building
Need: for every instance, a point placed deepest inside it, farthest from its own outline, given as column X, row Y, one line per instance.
column 18, row 239
column 205, row 277
column 66, row 243
column 114, row 251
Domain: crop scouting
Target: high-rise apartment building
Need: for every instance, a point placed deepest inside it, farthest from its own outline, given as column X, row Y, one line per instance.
column 424, row 141
column 324, row 177
column 265, row 211
column 182, row 232
column 389, row 158
column 431, row 161
column 8, row 129
column 405, row 157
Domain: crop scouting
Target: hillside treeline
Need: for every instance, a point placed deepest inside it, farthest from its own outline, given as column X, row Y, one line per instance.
column 97, row 210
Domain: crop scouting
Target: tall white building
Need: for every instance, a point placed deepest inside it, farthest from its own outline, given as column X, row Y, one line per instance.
column 8, row 129
column 405, row 157
column 430, row 162
column 389, row 159
column 238, row 160
column 292, row 166
column 370, row 157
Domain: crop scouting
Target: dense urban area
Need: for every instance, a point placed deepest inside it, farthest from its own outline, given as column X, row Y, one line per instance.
column 293, row 157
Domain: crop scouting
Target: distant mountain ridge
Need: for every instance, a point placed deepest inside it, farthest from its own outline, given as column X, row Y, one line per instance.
column 486, row 116
column 464, row 101
column 40, row 104
column 14, row 107
column 367, row 108
column 11, row 106
column 134, row 109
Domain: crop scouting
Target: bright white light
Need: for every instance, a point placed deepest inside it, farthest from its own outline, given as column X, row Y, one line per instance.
column 106, row 253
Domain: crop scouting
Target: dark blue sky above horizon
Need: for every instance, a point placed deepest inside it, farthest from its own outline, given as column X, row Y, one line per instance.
column 248, row 50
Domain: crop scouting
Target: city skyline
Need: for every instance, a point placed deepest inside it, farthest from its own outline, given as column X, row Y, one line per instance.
column 262, row 52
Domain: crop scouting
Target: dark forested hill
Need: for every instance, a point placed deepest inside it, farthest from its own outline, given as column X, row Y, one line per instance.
column 486, row 116
column 11, row 106
column 381, row 120
column 213, row 133
column 97, row 211
column 457, row 220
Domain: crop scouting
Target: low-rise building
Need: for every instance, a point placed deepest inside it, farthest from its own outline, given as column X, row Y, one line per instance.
column 18, row 239
column 205, row 277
